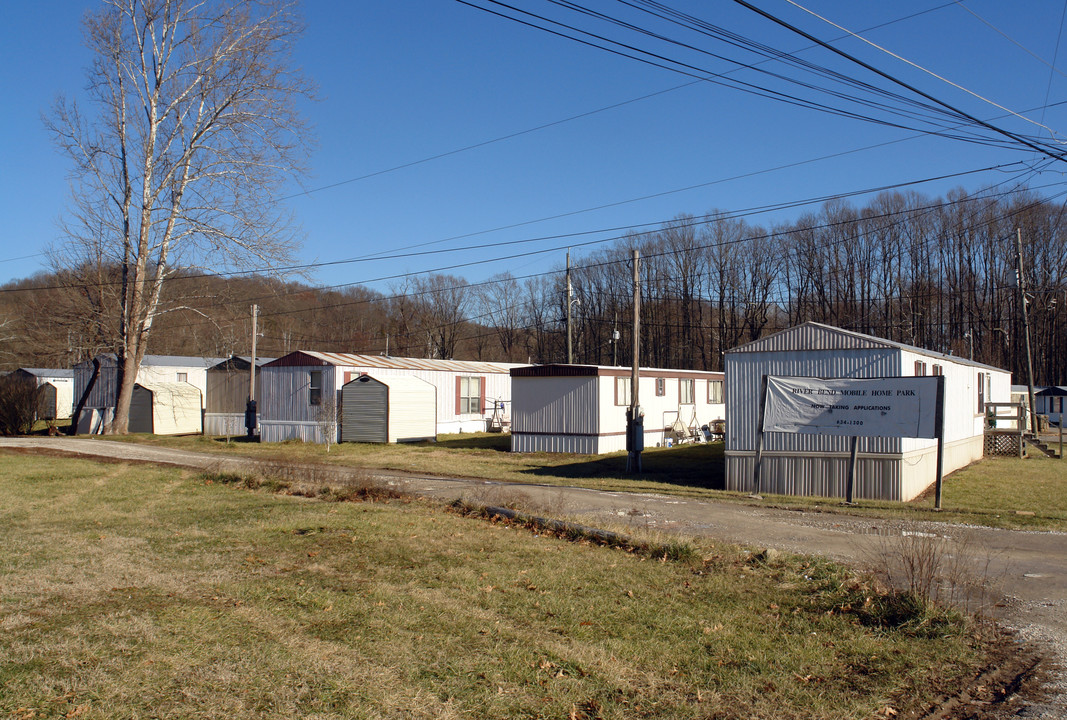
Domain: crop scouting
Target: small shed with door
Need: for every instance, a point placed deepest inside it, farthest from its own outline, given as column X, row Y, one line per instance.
column 226, row 397
column 582, row 408
column 388, row 410
column 165, row 409
column 303, row 388
column 889, row 468
column 97, row 380
column 55, row 391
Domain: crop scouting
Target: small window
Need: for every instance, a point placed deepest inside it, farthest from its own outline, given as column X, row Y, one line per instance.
column 470, row 395
column 981, row 392
column 920, row 368
column 714, row 391
column 183, row 377
column 315, row 387
column 936, row 370
column 661, row 387
column 685, row 391
column 622, row 391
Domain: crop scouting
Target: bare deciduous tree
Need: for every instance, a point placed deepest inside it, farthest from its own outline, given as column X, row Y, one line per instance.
column 193, row 131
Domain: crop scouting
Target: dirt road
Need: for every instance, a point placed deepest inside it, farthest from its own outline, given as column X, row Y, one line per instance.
column 1031, row 567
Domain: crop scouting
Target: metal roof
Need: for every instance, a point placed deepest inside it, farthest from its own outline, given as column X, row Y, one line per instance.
column 49, row 372
column 241, row 362
column 308, row 358
column 565, row 370
column 816, row 336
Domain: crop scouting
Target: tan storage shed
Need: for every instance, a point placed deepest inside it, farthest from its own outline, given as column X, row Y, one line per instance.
column 165, row 409
column 390, row 409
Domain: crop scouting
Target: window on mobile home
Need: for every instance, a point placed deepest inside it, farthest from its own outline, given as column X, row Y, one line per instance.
column 470, row 395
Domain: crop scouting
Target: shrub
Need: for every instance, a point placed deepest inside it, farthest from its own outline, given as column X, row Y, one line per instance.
column 18, row 405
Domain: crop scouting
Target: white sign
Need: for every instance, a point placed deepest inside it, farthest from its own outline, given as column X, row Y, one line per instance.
column 884, row 407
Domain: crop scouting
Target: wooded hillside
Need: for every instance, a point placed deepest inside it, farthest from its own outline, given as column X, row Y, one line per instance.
column 939, row 273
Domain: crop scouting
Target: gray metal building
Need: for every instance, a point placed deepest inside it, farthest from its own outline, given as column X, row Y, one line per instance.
column 888, row 468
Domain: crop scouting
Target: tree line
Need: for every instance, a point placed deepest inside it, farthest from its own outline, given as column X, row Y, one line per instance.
column 937, row 273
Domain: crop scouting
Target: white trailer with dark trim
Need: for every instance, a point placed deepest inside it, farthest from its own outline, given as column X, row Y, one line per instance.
column 582, row 408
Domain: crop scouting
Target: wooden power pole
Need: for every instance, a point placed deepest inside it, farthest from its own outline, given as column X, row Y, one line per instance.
column 635, row 421
column 570, row 341
column 1026, row 328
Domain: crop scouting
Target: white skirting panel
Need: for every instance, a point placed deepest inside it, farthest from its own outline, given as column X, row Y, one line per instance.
column 578, row 444
column 224, row 424
column 278, row 431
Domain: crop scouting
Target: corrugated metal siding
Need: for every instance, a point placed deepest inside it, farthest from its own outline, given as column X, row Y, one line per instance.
column 282, row 431
column 814, row 336
column 224, row 423
column 285, row 393
column 557, row 405
column 576, row 444
column 816, row 475
column 227, row 389
column 365, row 411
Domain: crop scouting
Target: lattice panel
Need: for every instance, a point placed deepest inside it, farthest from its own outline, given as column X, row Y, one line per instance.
column 1002, row 444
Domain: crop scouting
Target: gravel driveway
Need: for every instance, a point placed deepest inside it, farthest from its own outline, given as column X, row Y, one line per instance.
column 1031, row 567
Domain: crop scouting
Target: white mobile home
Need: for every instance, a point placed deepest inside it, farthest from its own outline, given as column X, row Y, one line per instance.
column 100, row 389
column 55, row 388
column 1052, row 402
column 300, row 389
column 391, row 409
column 165, row 409
column 582, row 408
column 888, row 468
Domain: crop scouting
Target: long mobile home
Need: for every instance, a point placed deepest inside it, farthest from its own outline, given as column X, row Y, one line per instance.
column 301, row 389
column 582, row 408
column 888, row 468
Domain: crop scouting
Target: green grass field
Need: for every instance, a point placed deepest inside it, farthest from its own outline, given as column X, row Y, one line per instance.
column 133, row 591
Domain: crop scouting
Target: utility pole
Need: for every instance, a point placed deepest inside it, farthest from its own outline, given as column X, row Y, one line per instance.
column 635, row 421
column 1026, row 328
column 250, row 408
column 570, row 341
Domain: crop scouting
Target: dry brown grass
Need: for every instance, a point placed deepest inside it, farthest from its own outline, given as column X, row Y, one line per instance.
column 144, row 592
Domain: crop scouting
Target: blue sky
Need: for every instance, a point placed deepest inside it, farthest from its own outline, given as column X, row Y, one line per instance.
column 402, row 81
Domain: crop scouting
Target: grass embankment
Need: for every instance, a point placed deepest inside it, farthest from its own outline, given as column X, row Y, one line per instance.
column 131, row 591
column 999, row 492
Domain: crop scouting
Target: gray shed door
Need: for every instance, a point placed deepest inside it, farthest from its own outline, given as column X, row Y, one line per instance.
column 365, row 411
column 141, row 410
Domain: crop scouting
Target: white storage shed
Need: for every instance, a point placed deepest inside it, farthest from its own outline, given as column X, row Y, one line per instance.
column 165, row 409
column 582, row 408
column 888, row 468
column 299, row 388
column 388, row 410
column 103, row 389
column 55, row 391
